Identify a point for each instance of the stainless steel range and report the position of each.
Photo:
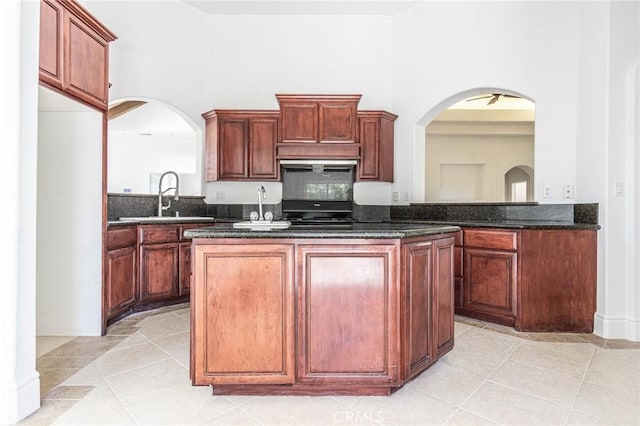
(318, 192)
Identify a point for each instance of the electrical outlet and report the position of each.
(568, 191)
(396, 196)
(547, 192)
(220, 196)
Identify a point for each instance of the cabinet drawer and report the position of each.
(121, 237)
(154, 234)
(492, 239)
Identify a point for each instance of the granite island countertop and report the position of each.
(378, 230)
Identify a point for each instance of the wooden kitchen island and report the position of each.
(319, 311)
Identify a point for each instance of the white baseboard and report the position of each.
(20, 402)
(617, 328)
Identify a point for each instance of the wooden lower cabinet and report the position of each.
(159, 276)
(347, 313)
(165, 262)
(531, 279)
(427, 304)
(243, 303)
(319, 316)
(121, 282)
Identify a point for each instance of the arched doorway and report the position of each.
(518, 184)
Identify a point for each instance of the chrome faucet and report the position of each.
(261, 196)
(176, 196)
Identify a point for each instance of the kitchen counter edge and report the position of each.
(398, 231)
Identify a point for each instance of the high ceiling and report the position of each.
(302, 7)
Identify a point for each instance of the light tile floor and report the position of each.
(138, 374)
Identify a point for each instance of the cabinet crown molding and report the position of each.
(85, 16)
(318, 97)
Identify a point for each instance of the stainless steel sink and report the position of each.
(262, 225)
(165, 219)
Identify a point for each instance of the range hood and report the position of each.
(318, 165)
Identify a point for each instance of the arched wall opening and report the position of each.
(147, 137)
(465, 144)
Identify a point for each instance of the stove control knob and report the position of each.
(253, 215)
(268, 216)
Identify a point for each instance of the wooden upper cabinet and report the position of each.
(74, 51)
(318, 127)
(318, 118)
(241, 145)
(376, 133)
(51, 42)
(299, 122)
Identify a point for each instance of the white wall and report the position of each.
(69, 220)
(134, 157)
(619, 301)
(19, 380)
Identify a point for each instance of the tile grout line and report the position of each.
(486, 379)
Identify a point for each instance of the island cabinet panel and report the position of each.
(318, 316)
(241, 145)
(74, 51)
(426, 303)
(347, 313)
(244, 302)
(417, 299)
(443, 290)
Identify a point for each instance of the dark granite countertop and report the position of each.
(357, 230)
(508, 224)
(165, 220)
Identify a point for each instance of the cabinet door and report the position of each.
(337, 122)
(263, 135)
(185, 268)
(376, 137)
(417, 304)
(86, 63)
(368, 167)
(347, 314)
(120, 280)
(243, 299)
(299, 122)
(51, 39)
(443, 296)
(490, 281)
(159, 271)
(233, 141)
